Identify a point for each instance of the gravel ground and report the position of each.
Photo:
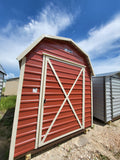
(100, 143)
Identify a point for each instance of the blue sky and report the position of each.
(93, 25)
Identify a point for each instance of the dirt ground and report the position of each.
(100, 143)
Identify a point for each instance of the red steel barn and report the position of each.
(54, 97)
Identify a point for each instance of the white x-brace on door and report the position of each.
(47, 60)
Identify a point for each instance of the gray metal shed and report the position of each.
(106, 96)
(2, 73)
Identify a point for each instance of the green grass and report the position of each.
(7, 103)
(3, 89)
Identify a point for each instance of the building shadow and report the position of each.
(6, 123)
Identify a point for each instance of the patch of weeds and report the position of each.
(3, 89)
(7, 103)
(58, 145)
(109, 123)
(103, 157)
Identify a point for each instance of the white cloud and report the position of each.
(9, 75)
(101, 40)
(106, 65)
(14, 39)
(50, 21)
(103, 46)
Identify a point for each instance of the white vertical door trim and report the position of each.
(39, 118)
(17, 108)
(66, 98)
(91, 102)
(42, 100)
(83, 99)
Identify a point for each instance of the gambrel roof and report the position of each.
(54, 38)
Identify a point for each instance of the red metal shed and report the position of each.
(54, 96)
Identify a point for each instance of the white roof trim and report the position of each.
(27, 50)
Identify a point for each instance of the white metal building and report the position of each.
(106, 96)
(2, 73)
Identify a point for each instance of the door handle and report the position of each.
(44, 100)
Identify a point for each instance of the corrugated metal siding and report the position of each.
(26, 131)
(1, 83)
(27, 122)
(116, 97)
(67, 75)
(87, 97)
(108, 99)
(98, 97)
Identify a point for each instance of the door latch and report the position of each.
(44, 100)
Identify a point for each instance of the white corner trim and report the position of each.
(83, 100)
(16, 114)
(91, 102)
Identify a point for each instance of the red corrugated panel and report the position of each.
(26, 132)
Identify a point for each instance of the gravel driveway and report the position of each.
(100, 143)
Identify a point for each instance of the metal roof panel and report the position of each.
(2, 70)
(107, 74)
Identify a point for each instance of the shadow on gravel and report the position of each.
(5, 133)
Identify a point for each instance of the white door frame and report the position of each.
(46, 59)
